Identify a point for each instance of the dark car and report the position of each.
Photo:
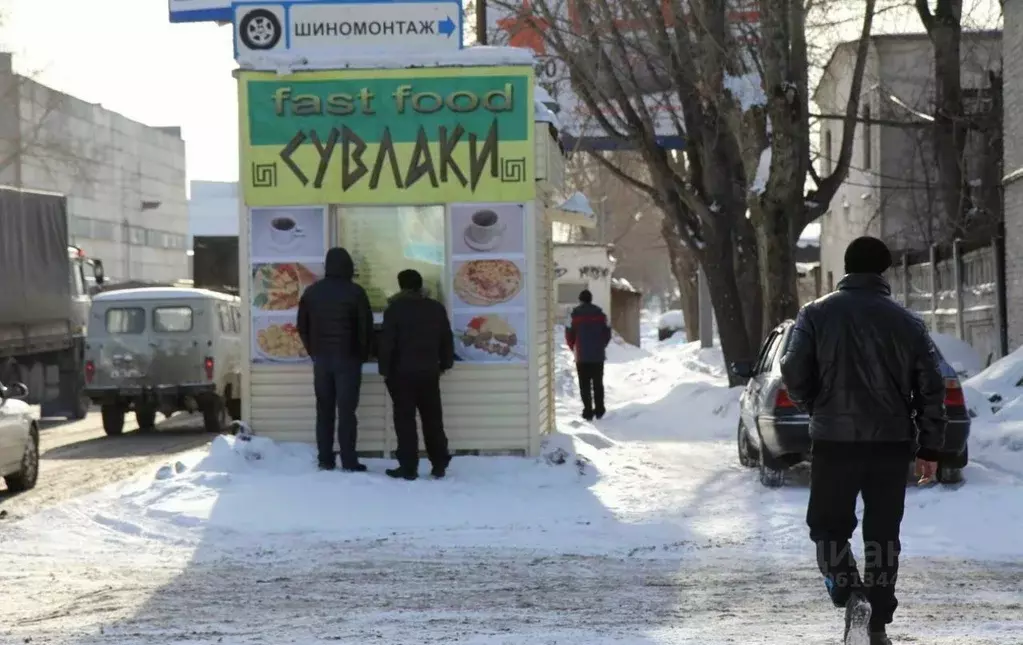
(774, 434)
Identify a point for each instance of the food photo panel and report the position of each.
(493, 337)
(487, 229)
(279, 286)
(275, 340)
(488, 283)
(287, 234)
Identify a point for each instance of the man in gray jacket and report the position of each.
(866, 371)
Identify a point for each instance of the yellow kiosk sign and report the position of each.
(423, 136)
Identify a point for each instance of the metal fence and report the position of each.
(959, 292)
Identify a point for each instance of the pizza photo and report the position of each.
(488, 282)
(280, 342)
(278, 287)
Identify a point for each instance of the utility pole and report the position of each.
(481, 22)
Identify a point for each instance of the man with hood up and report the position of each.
(335, 323)
(866, 371)
(416, 347)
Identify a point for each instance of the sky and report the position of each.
(127, 56)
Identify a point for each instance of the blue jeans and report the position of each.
(337, 382)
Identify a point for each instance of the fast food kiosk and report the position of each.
(445, 166)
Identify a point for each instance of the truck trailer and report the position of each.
(44, 305)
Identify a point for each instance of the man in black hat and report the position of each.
(588, 335)
(335, 323)
(866, 371)
(415, 348)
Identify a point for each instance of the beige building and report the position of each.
(891, 188)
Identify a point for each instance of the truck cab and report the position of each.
(84, 270)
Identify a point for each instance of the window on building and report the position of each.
(104, 230)
(568, 292)
(868, 140)
(828, 159)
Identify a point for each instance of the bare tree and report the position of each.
(738, 93)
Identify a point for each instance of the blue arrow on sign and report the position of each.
(446, 27)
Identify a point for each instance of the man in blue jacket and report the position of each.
(588, 335)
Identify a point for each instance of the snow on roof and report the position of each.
(623, 284)
(285, 63)
(159, 293)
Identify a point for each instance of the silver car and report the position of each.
(19, 439)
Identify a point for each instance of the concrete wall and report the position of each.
(891, 194)
(1013, 126)
(107, 165)
(579, 266)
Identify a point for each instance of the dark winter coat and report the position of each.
(865, 369)
(588, 333)
(416, 337)
(334, 316)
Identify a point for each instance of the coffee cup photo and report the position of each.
(284, 230)
(485, 230)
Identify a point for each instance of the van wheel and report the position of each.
(81, 408)
(234, 409)
(145, 417)
(113, 419)
(214, 415)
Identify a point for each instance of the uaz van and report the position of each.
(164, 349)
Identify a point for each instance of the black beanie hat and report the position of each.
(585, 296)
(867, 255)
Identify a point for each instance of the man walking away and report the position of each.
(866, 371)
(588, 335)
(335, 323)
(416, 347)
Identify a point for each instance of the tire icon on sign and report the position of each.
(260, 29)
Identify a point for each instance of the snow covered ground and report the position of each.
(640, 528)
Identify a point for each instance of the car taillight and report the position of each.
(208, 365)
(90, 371)
(782, 400)
(954, 393)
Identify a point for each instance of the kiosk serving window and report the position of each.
(383, 240)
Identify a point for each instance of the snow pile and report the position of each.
(1001, 382)
(671, 320)
(960, 355)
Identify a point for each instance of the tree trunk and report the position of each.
(747, 270)
(726, 299)
(777, 266)
(685, 268)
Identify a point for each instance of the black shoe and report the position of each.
(354, 468)
(324, 466)
(600, 413)
(879, 638)
(401, 473)
(438, 472)
(587, 415)
(857, 617)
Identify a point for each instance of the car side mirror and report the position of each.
(742, 369)
(97, 271)
(15, 391)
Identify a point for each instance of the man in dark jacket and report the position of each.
(416, 347)
(588, 335)
(335, 323)
(866, 371)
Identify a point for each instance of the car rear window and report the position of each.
(172, 319)
(129, 320)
